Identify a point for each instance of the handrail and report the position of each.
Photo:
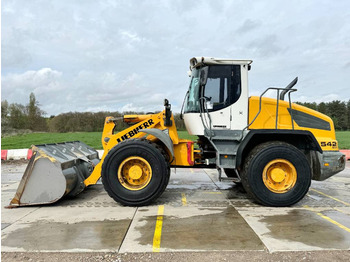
(289, 91)
(290, 106)
(205, 124)
(277, 107)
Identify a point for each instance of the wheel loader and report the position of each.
(273, 147)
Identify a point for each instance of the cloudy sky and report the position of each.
(130, 55)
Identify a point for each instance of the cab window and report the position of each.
(223, 87)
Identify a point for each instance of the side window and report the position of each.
(223, 86)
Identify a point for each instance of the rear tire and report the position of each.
(276, 174)
(135, 172)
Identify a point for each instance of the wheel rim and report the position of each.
(134, 173)
(279, 176)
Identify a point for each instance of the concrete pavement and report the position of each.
(195, 213)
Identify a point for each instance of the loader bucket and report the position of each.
(55, 171)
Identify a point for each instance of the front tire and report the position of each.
(276, 174)
(135, 172)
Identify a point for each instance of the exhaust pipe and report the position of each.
(55, 171)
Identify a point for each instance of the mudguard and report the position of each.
(162, 136)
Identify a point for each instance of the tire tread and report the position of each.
(254, 152)
(158, 193)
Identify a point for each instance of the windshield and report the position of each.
(192, 102)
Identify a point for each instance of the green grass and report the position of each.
(185, 135)
(343, 138)
(93, 139)
(25, 141)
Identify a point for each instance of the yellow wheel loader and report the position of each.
(273, 147)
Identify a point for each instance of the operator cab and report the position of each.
(218, 95)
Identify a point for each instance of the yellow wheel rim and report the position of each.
(279, 176)
(134, 173)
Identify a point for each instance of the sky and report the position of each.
(129, 55)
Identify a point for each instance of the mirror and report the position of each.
(209, 105)
(166, 102)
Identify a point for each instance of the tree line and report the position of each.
(339, 111)
(94, 122)
(20, 117)
(30, 117)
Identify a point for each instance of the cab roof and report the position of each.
(198, 61)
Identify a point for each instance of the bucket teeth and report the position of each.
(55, 171)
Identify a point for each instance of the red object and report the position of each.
(29, 154)
(3, 154)
(189, 153)
(346, 152)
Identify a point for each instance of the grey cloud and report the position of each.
(267, 45)
(15, 56)
(115, 55)
(88, 91)
(44, 83)
(247, 26)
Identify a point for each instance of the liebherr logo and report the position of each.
(133, 132)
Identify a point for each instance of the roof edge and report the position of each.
(198, 61)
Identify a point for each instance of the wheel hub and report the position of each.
(279, 176)
(134, 173)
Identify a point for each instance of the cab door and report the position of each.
(222, 89)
